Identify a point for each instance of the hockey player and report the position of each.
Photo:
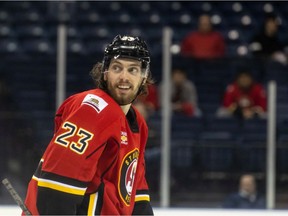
(94, 164)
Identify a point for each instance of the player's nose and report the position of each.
(124, 74)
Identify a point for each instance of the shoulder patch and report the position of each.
(95, 102)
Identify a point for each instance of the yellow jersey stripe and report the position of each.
(92, 204)
(142, 197)
(61, 187)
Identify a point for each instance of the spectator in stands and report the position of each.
(244, 98)
(148, 104)
(266, 43)
(204, 43)
(247, 197)
(184, 94)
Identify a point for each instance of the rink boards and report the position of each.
(15, 210)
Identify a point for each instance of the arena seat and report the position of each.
(255, 125)
(38, 46)
(186, 127)
(251, 152)
(216, 151)
(183, 160)
(282, 151)
(276, 71)
(30, 32)
(182, 153)
(6, 32)
(231, 125)
(9, 46)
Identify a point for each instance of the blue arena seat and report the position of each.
(95, 33)
(6, 32)
(281, 111)
(282, 94)
(10, 46)
(183, 20)
(90, 18)
(216, 151)
(44, 122)
(276, 71)
(231, 125)
(282, 152)
(251, 152)
(182, 154)
(76, 46)
(14, 6)
(32, 100)
(255, 125)
(38, 46)
(186, 127)
(183, 160)
(28, 17)
(30, 31)
(5, 17)
(96, 47)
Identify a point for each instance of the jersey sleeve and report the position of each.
(142, 204)
(70, 160)
(142, 199)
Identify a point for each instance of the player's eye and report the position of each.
(116, 68)
(134, 70)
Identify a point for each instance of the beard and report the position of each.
(122, 97)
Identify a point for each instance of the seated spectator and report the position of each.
(184, 94)
(247, 196)
(204, 43)
(244, 98)
(266, 43)
(147, 105)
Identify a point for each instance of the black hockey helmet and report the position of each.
(128, 47)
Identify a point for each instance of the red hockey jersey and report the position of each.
(94, 164)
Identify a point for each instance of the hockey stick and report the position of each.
(15, 196)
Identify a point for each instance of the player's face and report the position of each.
(123, 78)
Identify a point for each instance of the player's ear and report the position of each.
(105, 76)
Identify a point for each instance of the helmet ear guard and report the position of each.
(128, 47)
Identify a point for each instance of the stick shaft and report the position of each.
(15, 196)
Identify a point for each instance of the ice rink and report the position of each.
(15, 210)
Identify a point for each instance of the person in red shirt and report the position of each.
(204, 43)
(94, 164)
(244, 98)
(148, 104)
(184, 97)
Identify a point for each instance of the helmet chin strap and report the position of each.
(139, 90)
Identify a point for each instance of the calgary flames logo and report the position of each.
(127, 175)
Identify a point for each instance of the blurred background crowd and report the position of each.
(223, 55)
